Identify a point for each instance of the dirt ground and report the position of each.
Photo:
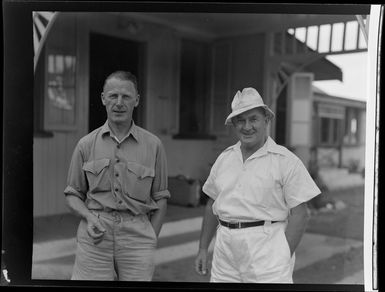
(347, 223)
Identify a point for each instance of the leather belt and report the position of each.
(110, 210)
(238, 225)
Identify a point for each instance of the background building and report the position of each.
(189, 66)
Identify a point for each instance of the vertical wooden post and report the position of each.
(318, 33)
(283, 43)
(343, 37)
(306, 36)
(294, 40)
(331, 37)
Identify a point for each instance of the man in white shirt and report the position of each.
(258, 192)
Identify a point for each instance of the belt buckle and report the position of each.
(239, 226)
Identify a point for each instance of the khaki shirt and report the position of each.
(126, 175)
(264, 187)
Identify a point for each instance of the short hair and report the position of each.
(123, 75)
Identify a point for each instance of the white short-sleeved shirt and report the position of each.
(264, 187)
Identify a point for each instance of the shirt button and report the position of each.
(116, 174)
(116, 189)
(117, 160)
(118, 146)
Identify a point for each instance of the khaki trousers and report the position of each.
(126, 252)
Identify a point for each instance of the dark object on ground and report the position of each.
(321, 201)
(184, 191)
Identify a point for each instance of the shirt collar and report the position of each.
(133, 131)
(269, 146)
(273, 147)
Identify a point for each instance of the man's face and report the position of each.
(251, 127)
(120, 98)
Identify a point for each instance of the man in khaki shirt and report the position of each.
(117, 184)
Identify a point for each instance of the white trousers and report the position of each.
(258, 254)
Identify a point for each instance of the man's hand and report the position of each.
(94, 229)
(201, 262)
(157, 217)
(209, 227)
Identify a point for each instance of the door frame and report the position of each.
(141, 75)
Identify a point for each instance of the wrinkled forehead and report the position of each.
(254, 112)
(119, 85)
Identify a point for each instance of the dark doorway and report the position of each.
(280, 118)
(194, 73)
(109, 54)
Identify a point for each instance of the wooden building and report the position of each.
(339, 131)
(189, 67)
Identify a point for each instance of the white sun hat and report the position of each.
(246, 100)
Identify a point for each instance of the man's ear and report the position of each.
(102, 98)
(267, 118)
(137, 100)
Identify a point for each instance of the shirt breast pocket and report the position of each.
(97, 175)
(264, 188)
(139, 181)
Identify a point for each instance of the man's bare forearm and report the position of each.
(209, 225)
(78, 207)
(298, 219)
